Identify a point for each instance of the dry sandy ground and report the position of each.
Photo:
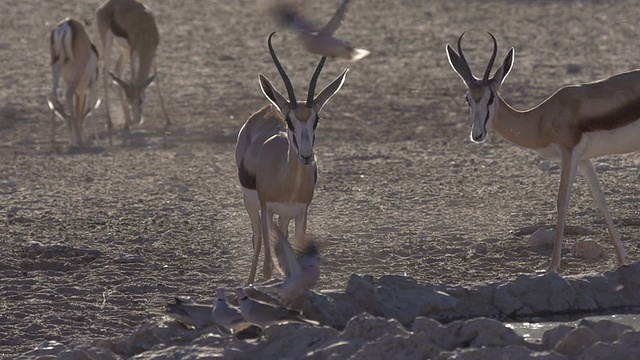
(92, 239)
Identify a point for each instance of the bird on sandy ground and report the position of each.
(202, 316)
(189, 313)
(263, 314)
(318, 41)
(300, 266)
(226, 315)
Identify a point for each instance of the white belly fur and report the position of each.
(600, 143)
(620, 141)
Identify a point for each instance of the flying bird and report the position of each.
(299, 266)
(263, 314)
(318, 41)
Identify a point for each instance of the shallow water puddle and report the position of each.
(532, 331)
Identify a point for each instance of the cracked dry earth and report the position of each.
(93, 239)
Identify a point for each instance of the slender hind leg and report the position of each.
(589, 172)
(252, 204)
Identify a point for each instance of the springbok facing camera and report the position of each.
(134, 28)
(276, 162)
(575, 124)
(75, 59)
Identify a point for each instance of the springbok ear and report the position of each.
(279, 101)
(505, 68)
(459, 66)
(328, 92)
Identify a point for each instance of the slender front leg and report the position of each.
(589, 172)
(283, 225)
(167, 121)
(72, 117)
(92, 101)
(106, 57)
(79, 117)
(55, 69)
(567, 177)
(267, 219)
(301, 226)
(123, 101)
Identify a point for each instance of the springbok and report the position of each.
(575, 124)
(75, 59)
(134, 28)
(276, 162)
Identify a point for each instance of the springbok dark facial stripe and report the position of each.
(491, 99)
(293, 138)
(617, 118)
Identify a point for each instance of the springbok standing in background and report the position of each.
(575, 124)
(276, 162)
(75, 59)
(133, 27)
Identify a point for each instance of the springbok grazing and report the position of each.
(276, 162)
(575, 124)
(133, 27)
(73, 57)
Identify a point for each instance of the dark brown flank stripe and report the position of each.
(247, 180)
(622, 116)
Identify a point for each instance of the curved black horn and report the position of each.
(469, 75)
(283, 74)
(314, 81)
(493, 58)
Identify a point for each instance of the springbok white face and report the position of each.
(301, 117)
(302, 133)
(481, 93)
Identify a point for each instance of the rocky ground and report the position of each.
(95, 239)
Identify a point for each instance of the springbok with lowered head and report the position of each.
(133, 27)
(276, 161)
(574, 125)
(75, 59)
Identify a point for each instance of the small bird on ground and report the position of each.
(300, 266)
(264, 314)
(189, 313)
(228, 316)
(318, 41)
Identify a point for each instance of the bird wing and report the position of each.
(291, 17)
(336, 20)
(287, 260)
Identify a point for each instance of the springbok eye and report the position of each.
(467, 100)
(315, 123)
